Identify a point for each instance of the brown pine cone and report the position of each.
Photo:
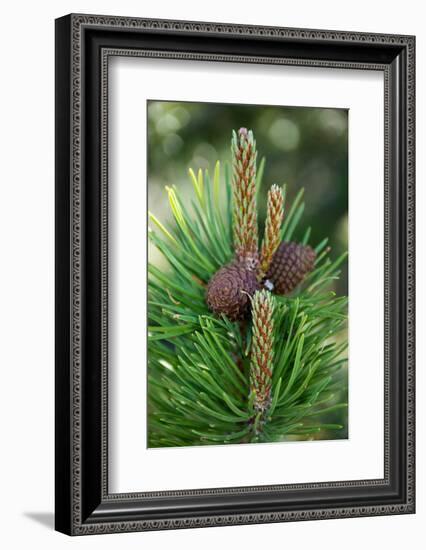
(289, 266)
(229, 289)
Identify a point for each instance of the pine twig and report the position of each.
(262, 354)
(274, 219)
(244, 218)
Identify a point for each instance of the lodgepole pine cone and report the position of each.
(229, 290)
(290, 264)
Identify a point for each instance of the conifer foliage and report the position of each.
(242, 338)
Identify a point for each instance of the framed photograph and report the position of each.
(234, 274)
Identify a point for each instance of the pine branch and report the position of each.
(209, 382)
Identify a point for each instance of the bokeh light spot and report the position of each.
(334, 121)
(167, 123)
(182, 115)
(284, 134)
(205, 155)
(172, 144)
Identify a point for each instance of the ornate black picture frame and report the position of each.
(84, 44)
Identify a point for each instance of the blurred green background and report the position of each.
(304, 147)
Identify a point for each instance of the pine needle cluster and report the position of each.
(216, 379)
